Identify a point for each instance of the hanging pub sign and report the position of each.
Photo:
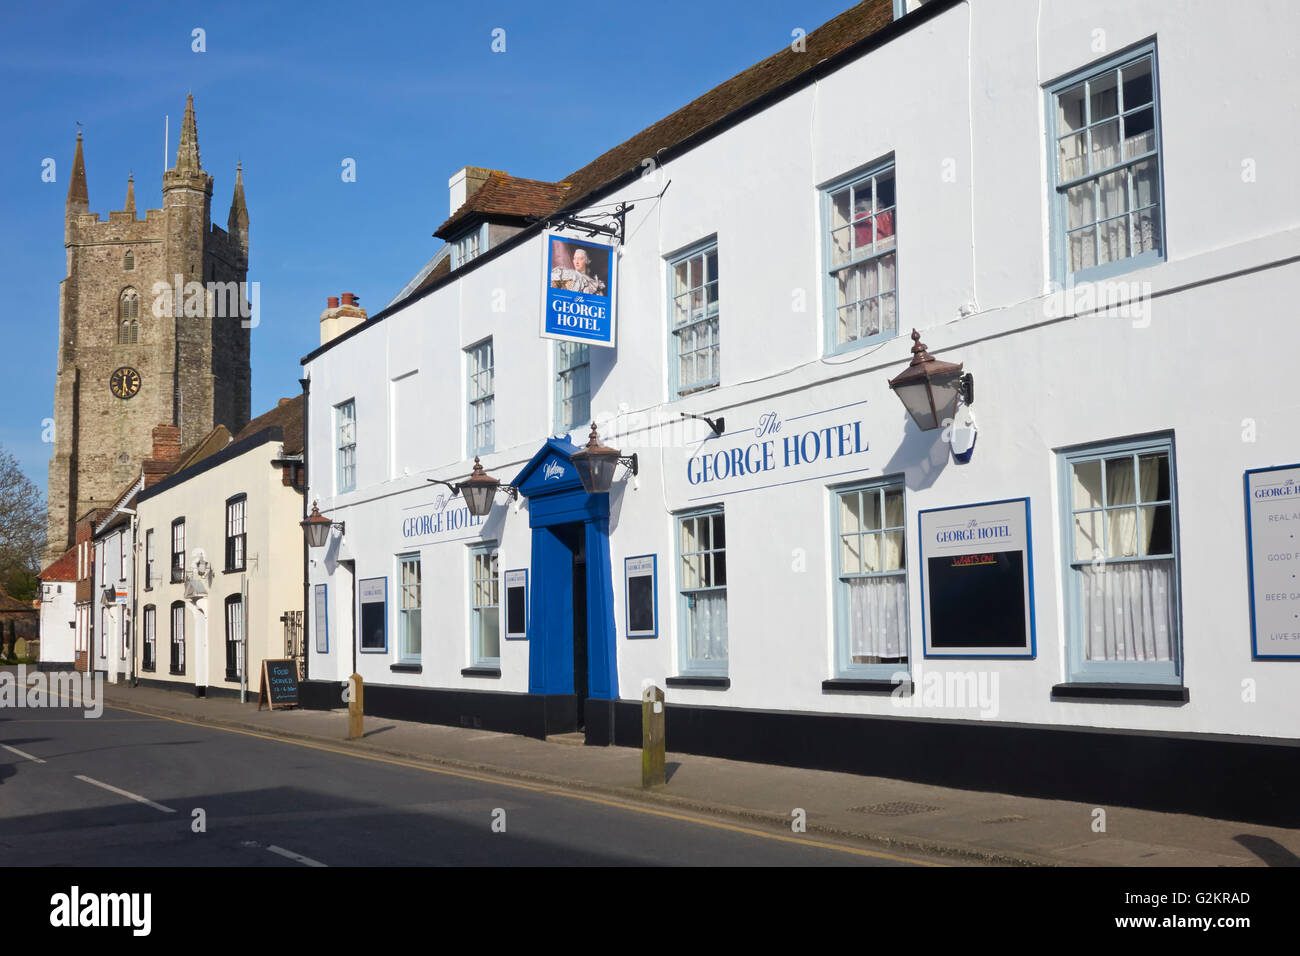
(1273, 550)
(579, 298)
(977, 597)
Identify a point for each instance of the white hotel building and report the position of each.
(1078, 202)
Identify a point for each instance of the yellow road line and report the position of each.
(634, 808)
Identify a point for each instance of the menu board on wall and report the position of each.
(373, 596)
(322, 620)
(1273, 550)
(516, 584)
(642, 595)
(977, 580)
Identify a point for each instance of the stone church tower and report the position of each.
(150, 332)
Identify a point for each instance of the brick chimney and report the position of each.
(339, 317)
(166, 453)
(465, 183)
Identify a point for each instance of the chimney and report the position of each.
(339, 318)
(466, 183)
(166, 443)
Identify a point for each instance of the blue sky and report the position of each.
(411, 91)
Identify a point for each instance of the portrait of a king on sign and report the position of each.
(579, 292)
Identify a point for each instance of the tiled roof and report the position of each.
(63, 568)
(8, 603)
(506, 195)
(288, 416)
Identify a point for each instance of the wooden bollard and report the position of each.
(654, 772)
(356, 691)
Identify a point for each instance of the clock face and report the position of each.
(124, 382)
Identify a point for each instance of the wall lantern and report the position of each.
(595, 464)
(317, 527)
(478, 490)
(930, 389)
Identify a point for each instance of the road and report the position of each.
(128, 789)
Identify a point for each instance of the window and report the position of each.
(482, 399)
(871, 621)
(485, 612)
(234, 637)
(128, 261)
(178, 551)
(1121, 527)
(236, 537)
(148, 560)
(128, 329)
(572, 385)
(178, 638)
(468, 246)
(1105, 161)
(345, 425)
(702, 545)
(862, 261)
(693, 335)
(150, 651)
(408, 609)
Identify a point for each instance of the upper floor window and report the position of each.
(1122, 620)
(468, 246)
(1108, 214)
(485, 606)
(861, 216)
(702, 552)
(128, 261)
(871, 581)
(572, 385)
(178, 551)
(408, 608)
(345, 426)
(148, 560)
(236, 534)
(482, 398)
(128, 327)
(693, 331)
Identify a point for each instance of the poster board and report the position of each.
(578, 285)
(977, 582)
(372, 595)
(1273, 556)
(516, 585)
(641, 594)
(321, 619)
(279, 684)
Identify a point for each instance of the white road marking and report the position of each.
(15, 750)
(125, 793)
(296, 857)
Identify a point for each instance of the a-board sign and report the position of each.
(1273, 553)
(977, 580)
(279, 687)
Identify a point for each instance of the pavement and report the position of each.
(962, 826)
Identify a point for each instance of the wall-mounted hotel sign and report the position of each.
(1273, 549)
(579, 291)
(977, 580)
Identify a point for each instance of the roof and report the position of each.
(287, 415)
(431, 272)
(62, 568)
(10, 604)
(507, 196)
(210, 444)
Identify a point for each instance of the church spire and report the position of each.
(238, 208)
(187, 154)
(78, 195)
(130, 194)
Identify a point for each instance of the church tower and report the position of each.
(153, 329)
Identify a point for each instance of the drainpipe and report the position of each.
(306, 553)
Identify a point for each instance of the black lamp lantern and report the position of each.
(316, 527)
(596, 463)
(478, 490)
(930, 389)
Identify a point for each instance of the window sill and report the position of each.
(232, 678)
(853, 685)
(480, 672)
(720, 683)
(233, 570)
(148, 669)
(406, 668)
(176, 672)
(1153, 693)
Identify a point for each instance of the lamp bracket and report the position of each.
(967, 389)
(718, 426)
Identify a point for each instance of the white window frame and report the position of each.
(480, 390)
(234, 636)
(148, 560)
(150, 627)
(345, 446)
(177, 643)
(693, 567)
(469, 245)
(694, 310)
(176, 571)
(236, 532)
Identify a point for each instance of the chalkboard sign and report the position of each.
(642, 595)
(279, 686)
(977, 580)
(372, 594)
(516, 584)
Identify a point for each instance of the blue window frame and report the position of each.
(572, 385)
(1104, 156)
(1120, 547)
(485, 606)
(870, 566)
(482, 397)
(860, 258)
(702, 593)
(693, 341)
(408, 609)
(345, 427)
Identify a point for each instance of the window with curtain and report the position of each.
(408, 608)
(149, 656)
(345, 443)
(482, 398)
(861, 216)
(693, 323)
(572, 385)
(1123, 563)
(234, 637)
(871, 581)
(702, 569)
(178, 638)
(485, 607)
(1106, 166)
